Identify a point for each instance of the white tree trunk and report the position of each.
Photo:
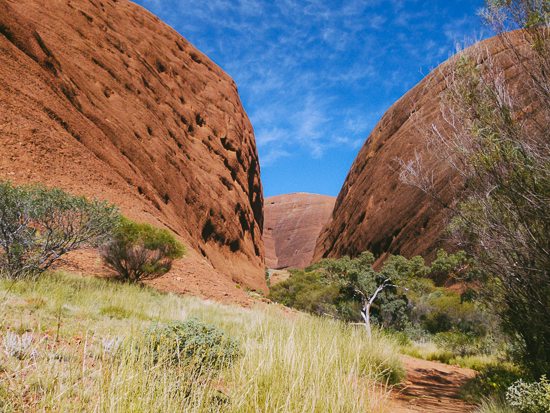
(366, 303)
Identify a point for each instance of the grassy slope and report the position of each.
(289, 364)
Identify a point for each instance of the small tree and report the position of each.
(140, 251)
(361, 280)
(39, 225)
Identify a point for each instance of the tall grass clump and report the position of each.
(311, 364)
(495, 405)
(85, 336)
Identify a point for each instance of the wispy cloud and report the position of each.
(315, 76)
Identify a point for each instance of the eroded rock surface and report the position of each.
(374, 211)
(292, 225)
(101, 98)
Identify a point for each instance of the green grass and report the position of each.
(74, 324)
(430, 350)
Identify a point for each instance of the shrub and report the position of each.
(191, 343)
(457, 342)
(306, 291)
(493, 379)
(140, 251)
(39, 225)
(20, 347)
(530, 397)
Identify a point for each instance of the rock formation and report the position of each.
(101, 98)
(292, 225)
(374, 211)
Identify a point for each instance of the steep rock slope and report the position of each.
(292, 225)
(101, 98)
(374, 211)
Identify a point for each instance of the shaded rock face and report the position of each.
(374, 211)
(101, 98)
(292, 225)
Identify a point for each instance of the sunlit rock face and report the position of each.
(103, 99)
(292, 225)
(374, 211)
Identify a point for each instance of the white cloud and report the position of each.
(316, 75)
(272, 156)
(377, 21)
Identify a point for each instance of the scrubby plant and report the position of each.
(358, 281)
(401, 296)
(39, 225)
(20, 347)
(530, 397)
(191, 343)
(306, 291)
(140, 251)
(493, 380)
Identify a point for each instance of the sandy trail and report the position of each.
(430, 387)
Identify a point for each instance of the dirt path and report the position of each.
(430, 387)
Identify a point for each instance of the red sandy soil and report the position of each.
(430, 387)
(192, 275)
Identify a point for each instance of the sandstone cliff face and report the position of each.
(101, 98)
(292, 225)
(374, 211)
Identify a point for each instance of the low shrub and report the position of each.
(457, 342)
(493, 380)
(38, 226)
(530, 397)
(140, 251)
(192, 344)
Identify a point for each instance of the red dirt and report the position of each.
(191, 275)
(430, 387)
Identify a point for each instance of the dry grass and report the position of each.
(495, 405)
(71, 327)
(429, 350)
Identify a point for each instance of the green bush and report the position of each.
(493, 379)
(39, 225)
(458, 342)
(530, 397)
(140, 251)
(306, 291)
(191, 343)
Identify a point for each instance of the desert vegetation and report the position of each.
(72, 343)
(136, 252)
(428, 321)
(38, 226)
(500, 150)
(423, 317)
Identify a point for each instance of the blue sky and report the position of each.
(315, 76)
